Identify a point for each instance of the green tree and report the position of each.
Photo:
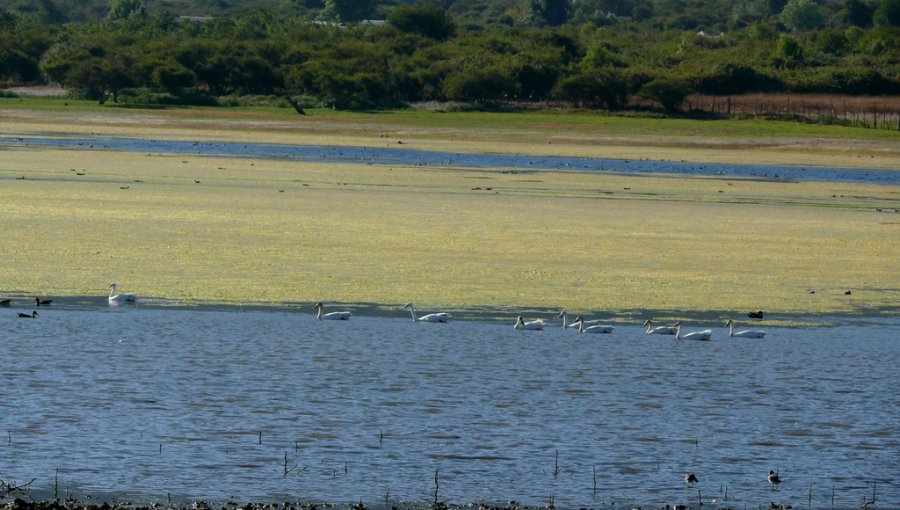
(592, 89)
(669, 92)
(550, 12)
(832, 41)
(480, 84)
(888, 13)
(349, 11)
(125, 9)
(802, 15)
(426, 19)
(856, 13)
(789, 52)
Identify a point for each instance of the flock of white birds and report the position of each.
(584, 326)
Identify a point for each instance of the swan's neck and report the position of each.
(565, 320)
(112, 290)
(412, 312)
(678, 333)
(581, 326)
(319, 312)
(731, 328)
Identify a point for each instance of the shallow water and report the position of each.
(207, 403)
(396, 156)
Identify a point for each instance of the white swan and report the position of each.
(431, 317)
(565, 317)
(535, 325)
(596, 328)
(747, 333)
(706, 334)
(333, 316)
(658, 330)
(119, 298)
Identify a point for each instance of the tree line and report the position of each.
(587, 53)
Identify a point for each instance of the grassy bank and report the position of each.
(259, 231)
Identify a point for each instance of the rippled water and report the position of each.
(211, 403)
(397, 156)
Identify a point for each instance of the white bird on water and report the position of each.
(333, 316)
(535, 325)
(565, 317)
(706, 334)
(596, 328)
(747, 333)
(658, 330)
(115, 298)
(431, 317)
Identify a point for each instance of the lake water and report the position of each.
(214, 404)
(401, 156)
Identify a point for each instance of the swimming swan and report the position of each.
(706, 334)
(658, 330)
(747, 333)
(333, 316)
(596, 328)
(535, 325)
(431, 317)
(119, 298)
(565, 317)
(32, 315)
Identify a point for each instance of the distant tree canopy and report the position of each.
(587, 53)
(426, 19)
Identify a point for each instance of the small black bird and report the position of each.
(691, 478)
(42, 302)
(5, 302)
(755, 315)
(32, 315)
(773, 478)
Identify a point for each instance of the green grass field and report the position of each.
(358, 233)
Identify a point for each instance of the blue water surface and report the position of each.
(271, 404)
(401, 156)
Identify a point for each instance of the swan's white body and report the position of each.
(333, 316)
(431, 317)
(115, 298)
(565, 317)
(596, 328)
(658, 330)
(535, 325)
(747, 333)
(706, 334)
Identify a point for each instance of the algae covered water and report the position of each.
(270, 404)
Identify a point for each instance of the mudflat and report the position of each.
(259, 231)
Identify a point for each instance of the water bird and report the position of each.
(332, 316)
(565, 317)
(42, 302)
(115, 298)
(658, 330)
(32, 315)
(755, 315)
(691, 478)
(847, 293)
(596, 328)
(5, 302)
(535, 325)
(774, 479)
(431, 317)
(747, 333)
(706, 334)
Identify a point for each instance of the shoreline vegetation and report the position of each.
(203, 229)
